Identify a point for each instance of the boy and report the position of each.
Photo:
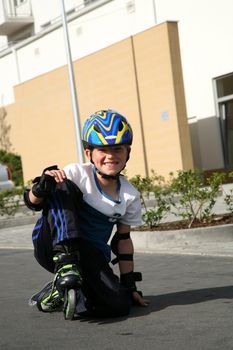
(81, 205)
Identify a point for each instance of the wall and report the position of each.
(205, 31)
(89, 32)
(140, 76)
(162, 99)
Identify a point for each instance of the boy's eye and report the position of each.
(110, 149)
(100, 150)
(120, 148)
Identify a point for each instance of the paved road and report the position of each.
(191, 305)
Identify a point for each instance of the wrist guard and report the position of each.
(128, 281)
(44, 184)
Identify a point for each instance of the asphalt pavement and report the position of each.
(190, 295)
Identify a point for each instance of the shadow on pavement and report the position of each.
(163, 301)
(194, 296)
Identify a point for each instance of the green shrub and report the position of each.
(156, 187)
(13, 161)
(187, 195)
(191, 199)
(10, 201)
(228, 198)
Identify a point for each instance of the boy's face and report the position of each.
(109, 160)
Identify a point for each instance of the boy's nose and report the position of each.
(109, 152)
(110, 155)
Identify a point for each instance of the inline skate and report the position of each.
(64, 291)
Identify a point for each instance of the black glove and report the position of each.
(44, 184)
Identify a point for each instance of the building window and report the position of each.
(88, 2)
(19, 2)
(224, 97)
(225, 86)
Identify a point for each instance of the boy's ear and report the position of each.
(88, 153)
(129, 150)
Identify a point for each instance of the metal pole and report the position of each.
(72, 87)
(155, 15)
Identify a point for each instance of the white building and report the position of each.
(32, 44)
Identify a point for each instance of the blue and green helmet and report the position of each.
(106, 128)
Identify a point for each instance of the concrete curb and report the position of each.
(215, 240)
(20, 220)
(150, 239)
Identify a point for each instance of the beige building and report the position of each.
(141, 77)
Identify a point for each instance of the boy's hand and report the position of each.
(46, 183)
(58, 175)
(140, 300)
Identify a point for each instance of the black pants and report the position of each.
(101, 287)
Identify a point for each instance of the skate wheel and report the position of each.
(70, 304)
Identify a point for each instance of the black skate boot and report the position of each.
(64, 291)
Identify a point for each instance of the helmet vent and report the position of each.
(121, 126)
(97, 128)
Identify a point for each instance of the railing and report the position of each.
(17, 11)
(69, 12)
(78, 10)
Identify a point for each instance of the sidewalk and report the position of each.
(216, 240)
(210, 241)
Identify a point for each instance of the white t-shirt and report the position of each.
(99, 213)
(126, 210)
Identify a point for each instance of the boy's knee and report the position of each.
(121, 305)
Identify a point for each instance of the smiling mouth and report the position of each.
(110, 163)
(111, 166)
